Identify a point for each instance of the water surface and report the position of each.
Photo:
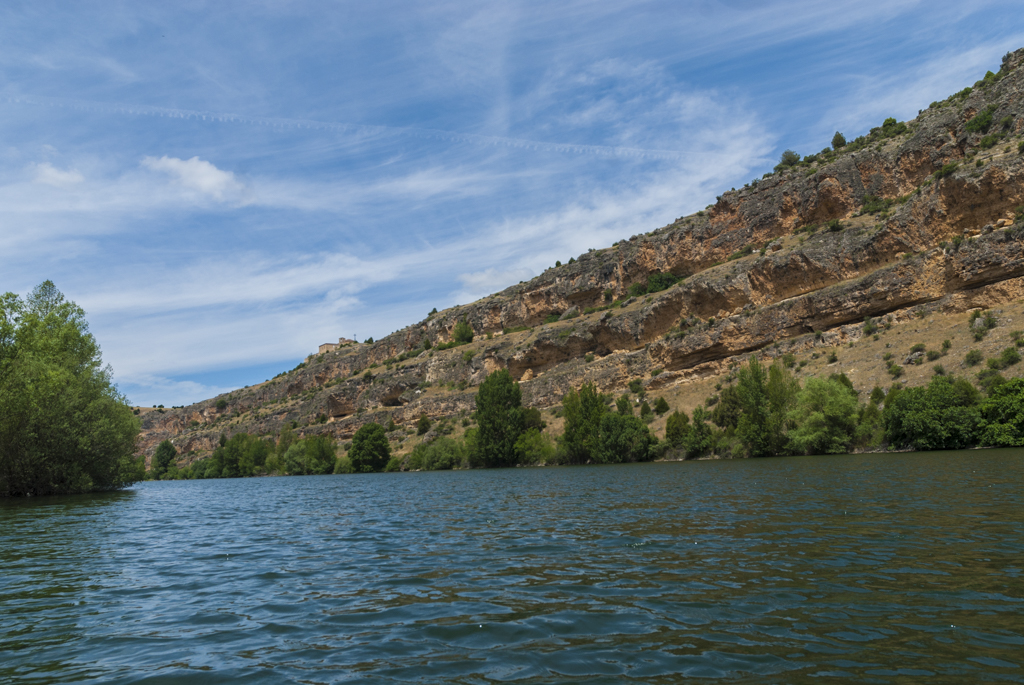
(874, 568)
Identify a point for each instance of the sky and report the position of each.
(223, 186)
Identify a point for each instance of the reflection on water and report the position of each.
(874, 568)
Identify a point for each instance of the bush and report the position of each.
(661, 406)
(422, 425)
(344, 465)
(947, 170)
(940, 416)
(468, 355)
(833, 357)
(870, 327)
(222, 404)
(638, 289)
(982, 121)
(973, 358)
(440, 455)
(838, 141)
(624, 439)
(636, 385)
(370, 450)
(988, 142)
(462, 333)
(1003, 413)
(932, 355)
(657, 282)
(919, 347)
(535, 447)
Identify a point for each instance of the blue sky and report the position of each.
(225, 185)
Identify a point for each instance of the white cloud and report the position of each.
(49, 175)
(196, 174)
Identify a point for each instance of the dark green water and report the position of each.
(878, 568)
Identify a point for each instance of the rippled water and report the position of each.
(878, 568)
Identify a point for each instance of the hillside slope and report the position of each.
(914, 224)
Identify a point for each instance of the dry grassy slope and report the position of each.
(769, 302)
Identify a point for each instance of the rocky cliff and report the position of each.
(911, 219)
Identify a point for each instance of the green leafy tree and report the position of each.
(1003, 414)
(824, 418)
(677, 427)
(370, 449)
(944, 415)
(700, 438)
(422, 425)
(838, 141)
(321, 455)
(499, 417)
(535, 447)
(462, 333)
(64, 428)
(726, 413)
(439, 455)
(624, 439)
(163, 457)
(583, 410)
(765, 397)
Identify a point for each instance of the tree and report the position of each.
(370, 450)
(726, 413)
(321, 455)
(788, 159)
(838, 141)
(422, 425)
(499, 417)
(677, 427)
(463, 332)
(624, 406)
(624, 438)
(64, 428)
(944, 415)
(765, 397)
(583, 410)
(1003, 413)
(699, 439)
(646, 415)
(162, 458)
(824, 418)
(661, 406)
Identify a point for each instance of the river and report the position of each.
(881, 568)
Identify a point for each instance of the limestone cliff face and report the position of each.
(761, 267)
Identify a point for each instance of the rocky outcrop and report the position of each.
(917, 215)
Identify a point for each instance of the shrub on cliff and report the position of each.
(838, 141)
(982, 121)
(462, 333)
(64, 428)
(370, 450)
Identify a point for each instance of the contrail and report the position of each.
(362, 129)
